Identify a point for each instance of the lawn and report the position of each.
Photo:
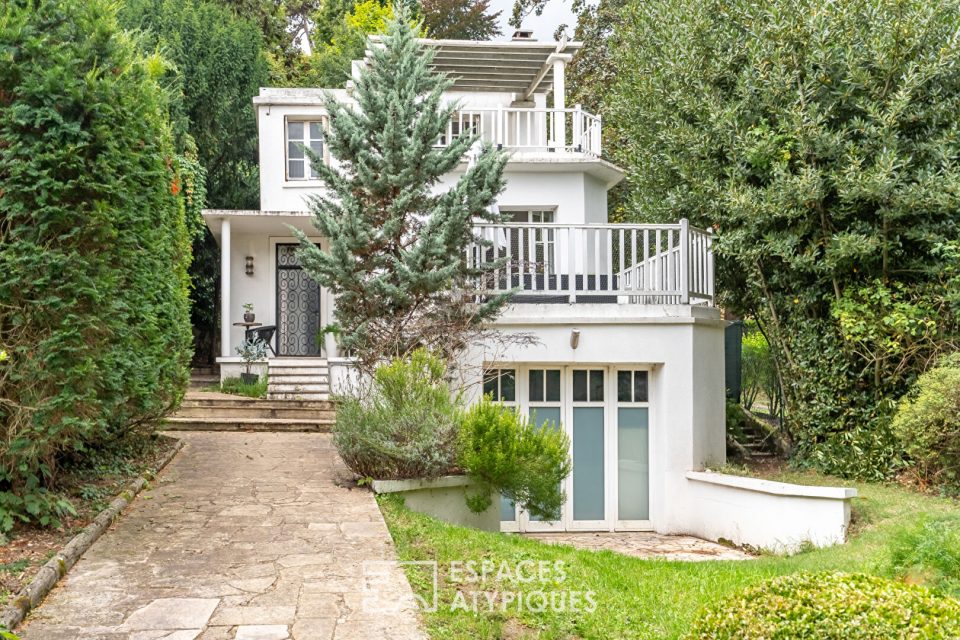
(634, 598)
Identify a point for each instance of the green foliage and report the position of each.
(405, 427)
(238, 387)
(818, 139)
(928, 552)
(94, 246)
(252, 350)
(329, 65)
(927, 424)
(459, 19)
(396, 245)
(759, 373)
(511, 456)
(831, 606)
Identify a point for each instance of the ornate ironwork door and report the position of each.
(298, 306)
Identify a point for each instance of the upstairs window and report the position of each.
(303, 134)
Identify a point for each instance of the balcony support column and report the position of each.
(225, 325)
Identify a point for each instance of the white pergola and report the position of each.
(521, 67)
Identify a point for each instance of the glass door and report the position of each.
(588, 420)
(545, 407)
(633, 449)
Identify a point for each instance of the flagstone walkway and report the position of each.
(244, 536)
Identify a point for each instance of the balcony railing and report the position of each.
(613, 263)
(570, 130)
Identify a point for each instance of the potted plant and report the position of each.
(252, 350)
(248, 314)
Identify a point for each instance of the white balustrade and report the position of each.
(529, 129)
(623, 263)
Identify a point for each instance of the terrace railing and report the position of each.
(614, 263)
(521, 129)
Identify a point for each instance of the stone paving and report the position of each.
(645, 544)
(244, 536)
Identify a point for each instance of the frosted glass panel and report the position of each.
(588, 463)
(633, 473)
(541, 416)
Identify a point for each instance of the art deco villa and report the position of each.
(629, 356)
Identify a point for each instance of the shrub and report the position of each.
(928, 552)
(405, 426)
(238, 387)
(830, 606)
(508, 454)
(927, 424)
(94, 314)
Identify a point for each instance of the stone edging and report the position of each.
(56, 567)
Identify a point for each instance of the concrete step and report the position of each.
(240, 402)
(255, 412)
(298, 379)
(242, 424)
(275, 372)
(312, 385)
(298, 395)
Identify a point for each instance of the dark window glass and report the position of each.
(490, 383)
(579, 386)
(508, 385)
(640, 386)
(536, 385)
(596, 385)
(553, 386)
(623, 386)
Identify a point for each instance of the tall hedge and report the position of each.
(94, 312)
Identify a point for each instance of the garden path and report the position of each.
(244, 536)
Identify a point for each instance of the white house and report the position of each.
(629, 351)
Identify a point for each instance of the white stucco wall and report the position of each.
(774, 516)
(687, 417)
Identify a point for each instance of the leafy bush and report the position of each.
(927, 423)
(405, 426)
(506, 453)
(94, 314)
(831, 606)
(928, 552)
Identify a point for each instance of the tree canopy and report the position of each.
(820, 140)
(395, 251)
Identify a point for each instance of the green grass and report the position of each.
(635, 598)
(237, 387)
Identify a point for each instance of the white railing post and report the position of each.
(684, 275)
(499, 127)
(595, 139)
(572, 263)
(577, 141)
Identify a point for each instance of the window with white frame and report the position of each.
(302, 135)
(532, 249)
(500, 385)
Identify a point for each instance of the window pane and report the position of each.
(596, 385)
(316, 131)
(294, 151)
(579, 386)
(508, 385)
(588, 463)
(536, 385)
(508, 512)
(553, 385)
(296, 169)
(623, 386)
(317, 147)
(640, 389)
(490, 383)
(544, 417)
(295, 131)
(633, 465)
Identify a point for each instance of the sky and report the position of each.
(557, 12)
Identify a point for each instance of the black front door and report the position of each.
(298, 306)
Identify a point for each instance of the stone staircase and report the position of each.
(203, 377)
(208, 411)
(298, 379)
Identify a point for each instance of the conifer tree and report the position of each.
(397, 241)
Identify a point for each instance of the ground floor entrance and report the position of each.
(605, 411)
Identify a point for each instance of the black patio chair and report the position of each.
(265, 333)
